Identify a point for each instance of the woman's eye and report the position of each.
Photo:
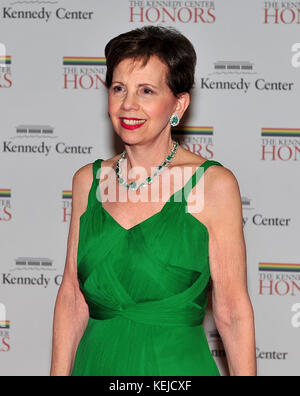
(147, 91)
(117, 89)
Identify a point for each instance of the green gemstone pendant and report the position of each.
(149, 180)
(133, 185)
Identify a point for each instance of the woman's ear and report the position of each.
(183, 102)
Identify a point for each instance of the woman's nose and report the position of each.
(130, 102)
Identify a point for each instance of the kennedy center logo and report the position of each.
(5, 205)
(66, 205)
(279, 279)
(258, 219)
(84, 73)
(280, 144)
(32, 11)
(241, 76)
(4, 330)
(198, 140)
(31, 272)
(180, 12)
(281, 12)
(39, 140)
(5, 68)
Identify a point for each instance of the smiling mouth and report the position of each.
(132, 123)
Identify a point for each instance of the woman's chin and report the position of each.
(131, 136)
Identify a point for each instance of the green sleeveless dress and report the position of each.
(146, 288)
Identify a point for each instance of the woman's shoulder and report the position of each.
(218, 178)
(86, 170)
(222, 189)
(109, 162)
(189, 159)
(81, 185)
(83, 174)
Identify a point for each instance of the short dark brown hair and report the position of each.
(168, 44)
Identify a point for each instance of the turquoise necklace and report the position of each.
(149, 180)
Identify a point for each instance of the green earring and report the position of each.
(174, 120)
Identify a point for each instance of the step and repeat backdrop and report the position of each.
(244, 114)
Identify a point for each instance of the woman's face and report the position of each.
(140, 101)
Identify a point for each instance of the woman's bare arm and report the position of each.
(232, 308)
(71, 311)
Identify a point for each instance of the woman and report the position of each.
(134, 291)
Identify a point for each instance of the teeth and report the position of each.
(133, 122)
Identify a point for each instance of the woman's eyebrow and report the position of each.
(151, 85)
(139, 85)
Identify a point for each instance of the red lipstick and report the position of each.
(133, 126)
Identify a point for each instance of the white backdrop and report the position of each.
(244, 114)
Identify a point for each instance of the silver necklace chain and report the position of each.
(148, 180)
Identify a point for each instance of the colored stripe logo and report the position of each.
(189, 130)
(67, 194)
(5, 60)
(279, 267)
(4, 324)
(83, 61)
(286, 132)
(5, 193)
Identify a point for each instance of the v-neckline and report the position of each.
(141, 223)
